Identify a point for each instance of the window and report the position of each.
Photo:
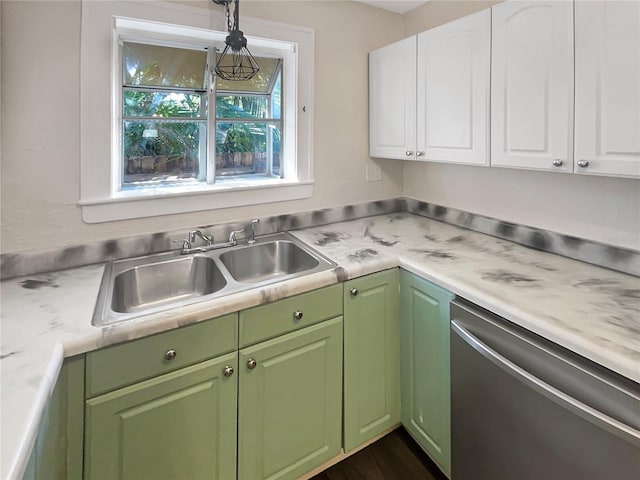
(166, 105)
(249, 123)
(172, 138)
(164, 116)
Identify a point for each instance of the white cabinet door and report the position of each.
(532, 85)
(607, 135)
(392, 100)
(453, 91)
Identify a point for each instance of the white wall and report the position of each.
(599, 208)
(40, 61)
(40, 56)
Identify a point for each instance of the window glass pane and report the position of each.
(154, 65)
(248, 148)
(162, 152)
(242, 106)
(261, 81)
(274, 137)
(161, 104)
(276, 99)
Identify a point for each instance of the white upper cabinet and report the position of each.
(497, 87)
(453, 91)
(392, 100)
(607, 130)
(532, 85)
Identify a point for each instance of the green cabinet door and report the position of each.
(57, 452)
(290, 403)
(425, 377)
(371, 357)
(178, 425)
(30, 469)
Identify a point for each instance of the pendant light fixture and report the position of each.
(236, 61)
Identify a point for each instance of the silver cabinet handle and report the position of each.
(251, 364)
(354, 292)
(227, 371)
(557, 162)
(408, 153)
(297, 315)
(583, 163)
(419, 154)
(170, 354)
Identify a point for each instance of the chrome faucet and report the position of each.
(187, 243)
(252, 231)
(251, 238)
(193, 234)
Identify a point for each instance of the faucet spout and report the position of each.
(193, 234)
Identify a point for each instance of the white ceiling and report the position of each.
(397, 6)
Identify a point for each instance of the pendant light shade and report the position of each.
(235, 62)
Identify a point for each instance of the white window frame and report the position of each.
(103, 24)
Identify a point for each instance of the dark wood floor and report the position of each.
(394, 457)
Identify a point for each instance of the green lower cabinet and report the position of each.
(371, 357)
(425, 376)
(290, 403)
(57, 453)
(178, 425)
(30, 470)
(51, 440)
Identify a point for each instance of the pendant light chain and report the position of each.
(236, 15)
(236, 61)
(227, 14)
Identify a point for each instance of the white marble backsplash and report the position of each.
(30, 262)
(616, 258)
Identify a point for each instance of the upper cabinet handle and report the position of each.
(583, 163)
(419, 153)
(557, 162)
(408, 153)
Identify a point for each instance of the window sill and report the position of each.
(138, 204)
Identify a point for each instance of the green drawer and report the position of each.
(273, 319)
(138, 360)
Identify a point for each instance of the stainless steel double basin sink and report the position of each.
(139, 286)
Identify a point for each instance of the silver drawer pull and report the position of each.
(170, 354)
(251, 364)
(354, 292)
(227, 371)
(298, 315)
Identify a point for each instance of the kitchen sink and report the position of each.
(267, 261)
(140, 286)
(165, 282)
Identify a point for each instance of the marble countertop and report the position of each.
(590, 310)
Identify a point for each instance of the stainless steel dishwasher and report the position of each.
(525, 408)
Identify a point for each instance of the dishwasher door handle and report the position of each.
(626, 432)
